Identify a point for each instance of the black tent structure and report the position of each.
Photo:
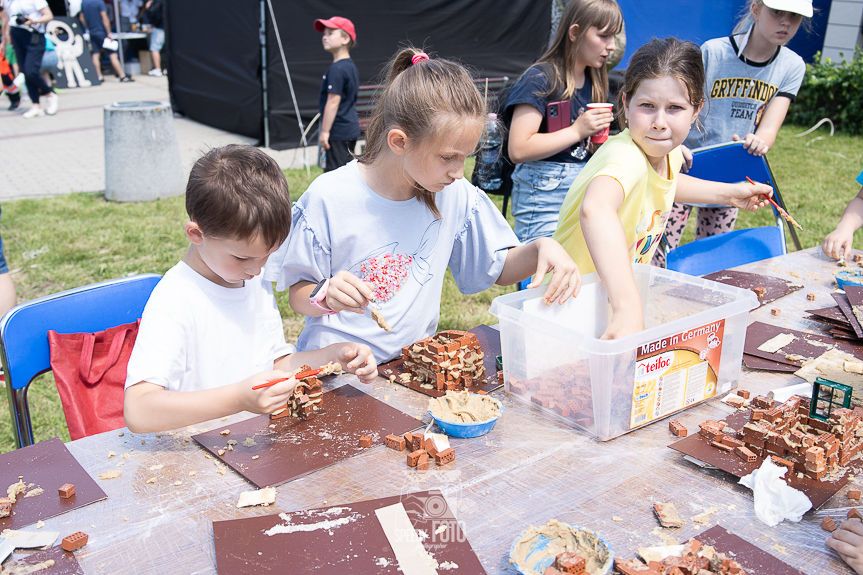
(227, 69)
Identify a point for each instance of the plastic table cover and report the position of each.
(529, 469)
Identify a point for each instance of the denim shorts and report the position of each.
(4, 268)
(538, 191)
(157, 40)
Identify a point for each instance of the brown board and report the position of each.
(65, 563)
(488, 338)
(753, 560)
(776, 287)
(833, 313)
(757, 333)
(357, 545)
(698, 446)
(845, 306)
(47, 464)
(855, 298)
(755, 362)
(294, 447)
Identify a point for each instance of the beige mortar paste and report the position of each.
(562, 537)
(464, 407)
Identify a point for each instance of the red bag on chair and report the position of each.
(90, 372)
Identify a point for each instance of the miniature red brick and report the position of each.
(678, 429)
(366, 441)
(67, 490)
(722, 446)
(667, 515)
(759, 291)
(762, 402)
(418, 441)
(854, 514)
(5, 507)
(430, 447)
(445, 456)
(541, 400)
(550, 570)
(712, 434)
(500, 377)
(423, 462)
(409, 440)
(561, 409)
(74, 541)
(743, 393)
(854, 494)
(395, 442)
(518, 388)
(744, 454)
(775, 311)
(810, 296)
(570, 562)
(827, 524)
(691, 548)
(757, 414)
(731, 442)
(414, 456)
(857, 258)
(734, 401)
(481, 392)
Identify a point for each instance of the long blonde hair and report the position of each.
(560, 56)
(424, 100)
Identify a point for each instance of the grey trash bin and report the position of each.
(142, 157)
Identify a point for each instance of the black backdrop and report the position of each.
(215, 54)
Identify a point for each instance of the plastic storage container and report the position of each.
(690, 350)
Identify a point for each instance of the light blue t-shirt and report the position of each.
(860, 179)
(399, 246)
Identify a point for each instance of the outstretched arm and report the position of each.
(606, 241)
(839, 241)
(539, 257)
(744, 195)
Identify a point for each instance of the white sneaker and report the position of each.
(34, 112)
(53, 102)
(155, 72)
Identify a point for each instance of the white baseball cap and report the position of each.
(803, 7)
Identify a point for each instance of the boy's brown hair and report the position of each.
(668, 57)
(239, 192)
(425, 100)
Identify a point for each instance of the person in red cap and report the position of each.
(340, 126)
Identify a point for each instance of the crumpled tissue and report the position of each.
(775, 500)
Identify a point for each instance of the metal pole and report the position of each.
(263, 38)
(119, 31)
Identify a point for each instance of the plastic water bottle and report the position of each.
(489, 171)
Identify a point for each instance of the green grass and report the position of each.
(84, 239)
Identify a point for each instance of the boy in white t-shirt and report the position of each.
(211, 329)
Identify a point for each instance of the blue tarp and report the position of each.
(699, 21)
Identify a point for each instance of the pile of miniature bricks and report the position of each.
(566, 390)
(696, 559)
(786, 433)
(421, 449)
(567, 562)
(450, 360)
(306, 399)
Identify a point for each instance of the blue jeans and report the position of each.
(538, 190)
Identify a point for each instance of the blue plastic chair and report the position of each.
(24, 333)
(724, 251)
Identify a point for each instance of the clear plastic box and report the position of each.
(690, 350)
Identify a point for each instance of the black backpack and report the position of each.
(507, 167)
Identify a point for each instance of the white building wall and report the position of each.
(843, 29)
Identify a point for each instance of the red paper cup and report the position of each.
(602, 135)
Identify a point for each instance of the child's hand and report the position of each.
(624, 323)
(347, 292)
(357, 358)
(847, 541)
(687, 159)
(565, 279)
(753, 144)
(748, 196)
(265, 400)
(592, 121)
(837, 243)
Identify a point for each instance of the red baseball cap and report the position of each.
(339, 23)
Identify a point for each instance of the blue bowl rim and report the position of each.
(475, 423)
(577, 527)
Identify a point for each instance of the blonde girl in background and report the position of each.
(572, 69)
(386, 227)
(751, 78)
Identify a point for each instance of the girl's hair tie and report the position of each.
(418, 57)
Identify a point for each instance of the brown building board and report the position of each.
(757, 333)
(753, 560)
(776, 287)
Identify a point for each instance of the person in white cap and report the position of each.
(751, 80)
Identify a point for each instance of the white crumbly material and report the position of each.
(34, 493)
(464, 407)
(266, 496)
(774, 344)
(854, 367)
(13, 490)
(111, 474)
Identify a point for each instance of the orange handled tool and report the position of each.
(782, 212)
(298, 376)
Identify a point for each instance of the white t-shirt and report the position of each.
(197, 335)
(29, 8)
(340, 223)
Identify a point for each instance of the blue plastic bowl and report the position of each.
(465, 429)
(849, 277)
(539, 564)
